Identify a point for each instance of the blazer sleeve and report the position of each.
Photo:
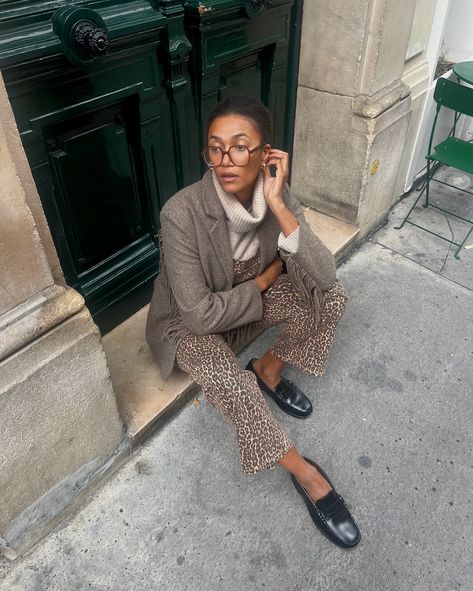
(203, 311)
(312, 255)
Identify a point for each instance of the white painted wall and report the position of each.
(458, 38)
(452, 29)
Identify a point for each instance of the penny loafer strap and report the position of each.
(331, 505)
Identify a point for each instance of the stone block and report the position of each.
(328, 158)
(388, 28)
(345, 163)
(37, 315)
(421, 29)
(354, 48)
(24, 269)
(15, 174)
(332, 41)
(58, 415)
(385, 136)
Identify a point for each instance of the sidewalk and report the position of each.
(391, 426)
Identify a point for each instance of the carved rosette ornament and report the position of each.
(90, 40)
(83, 34)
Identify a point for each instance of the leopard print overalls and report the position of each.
(304, 342)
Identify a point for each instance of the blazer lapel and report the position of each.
(218, 230)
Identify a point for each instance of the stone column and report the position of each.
(353, 108)
(59, 425)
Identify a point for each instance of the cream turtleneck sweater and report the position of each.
(243, 223)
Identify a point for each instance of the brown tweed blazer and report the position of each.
(194, 290)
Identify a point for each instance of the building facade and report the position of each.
(101, 122)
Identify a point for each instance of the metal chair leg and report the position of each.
(457, 256)
(411, 209)
(427, 185)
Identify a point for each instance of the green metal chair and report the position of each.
(452, 152)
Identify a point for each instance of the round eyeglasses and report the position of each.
(239, 155)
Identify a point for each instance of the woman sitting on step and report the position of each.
(237, 257)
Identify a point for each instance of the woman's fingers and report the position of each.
(277, 154)
(280, 159)
(276, 151)
(274, 185)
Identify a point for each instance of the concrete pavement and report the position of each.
(392, 426)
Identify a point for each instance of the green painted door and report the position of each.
(110, 99)
(99, 131)
(246, 46)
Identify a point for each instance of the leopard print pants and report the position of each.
(304, 342)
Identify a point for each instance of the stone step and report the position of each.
(337, 235)
(144, 399)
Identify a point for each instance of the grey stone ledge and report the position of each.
(62, 499)
(36, 316)
(373, 126)
(372, 106)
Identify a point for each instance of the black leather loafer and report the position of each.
(286, 395)
(330, 514)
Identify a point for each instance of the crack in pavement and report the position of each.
(371, 241)
(449, 247)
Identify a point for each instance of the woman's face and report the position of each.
(231, 130)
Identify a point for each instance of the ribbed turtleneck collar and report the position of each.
(243, 220)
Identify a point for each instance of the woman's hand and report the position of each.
(273, 187)
(270, 275)
(273, 190)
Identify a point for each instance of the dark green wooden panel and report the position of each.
(241, 76)
(233, 53)
(110, 139)
(101, 137)
(97, 188)
(96, 149)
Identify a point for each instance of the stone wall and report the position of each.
(353, 108)
(59, 425)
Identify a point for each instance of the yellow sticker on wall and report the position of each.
(374, 167)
